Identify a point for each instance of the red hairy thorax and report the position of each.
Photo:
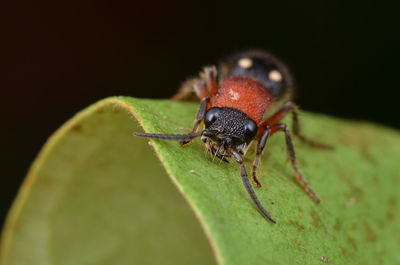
(244, 94)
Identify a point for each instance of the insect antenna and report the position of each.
(248, 187)
(175, 137)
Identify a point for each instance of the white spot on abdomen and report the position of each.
(275, 76)
(245, 63)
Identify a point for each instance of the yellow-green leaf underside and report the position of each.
(98, 195)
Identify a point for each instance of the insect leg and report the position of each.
(260, 147)
(199, 118)
(209, 75)
(191, 90)
(292, 157)
(199, 87)
(298, 133)
(292, 108)
(248, 187)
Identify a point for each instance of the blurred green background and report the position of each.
(60, 57)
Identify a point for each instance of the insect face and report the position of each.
(226, 129)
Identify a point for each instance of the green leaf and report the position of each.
(98, 195)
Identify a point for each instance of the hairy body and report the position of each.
(234, 101)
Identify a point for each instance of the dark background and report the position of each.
(60, 57)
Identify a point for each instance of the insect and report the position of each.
(234, 100)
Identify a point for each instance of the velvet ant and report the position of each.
(234, 100)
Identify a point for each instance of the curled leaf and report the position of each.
(98, 195)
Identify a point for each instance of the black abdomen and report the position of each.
(262, 66)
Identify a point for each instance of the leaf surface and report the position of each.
(98, 195)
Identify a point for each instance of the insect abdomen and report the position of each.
(263, 67)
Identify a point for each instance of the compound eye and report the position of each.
(211, 116)
(250, 131)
